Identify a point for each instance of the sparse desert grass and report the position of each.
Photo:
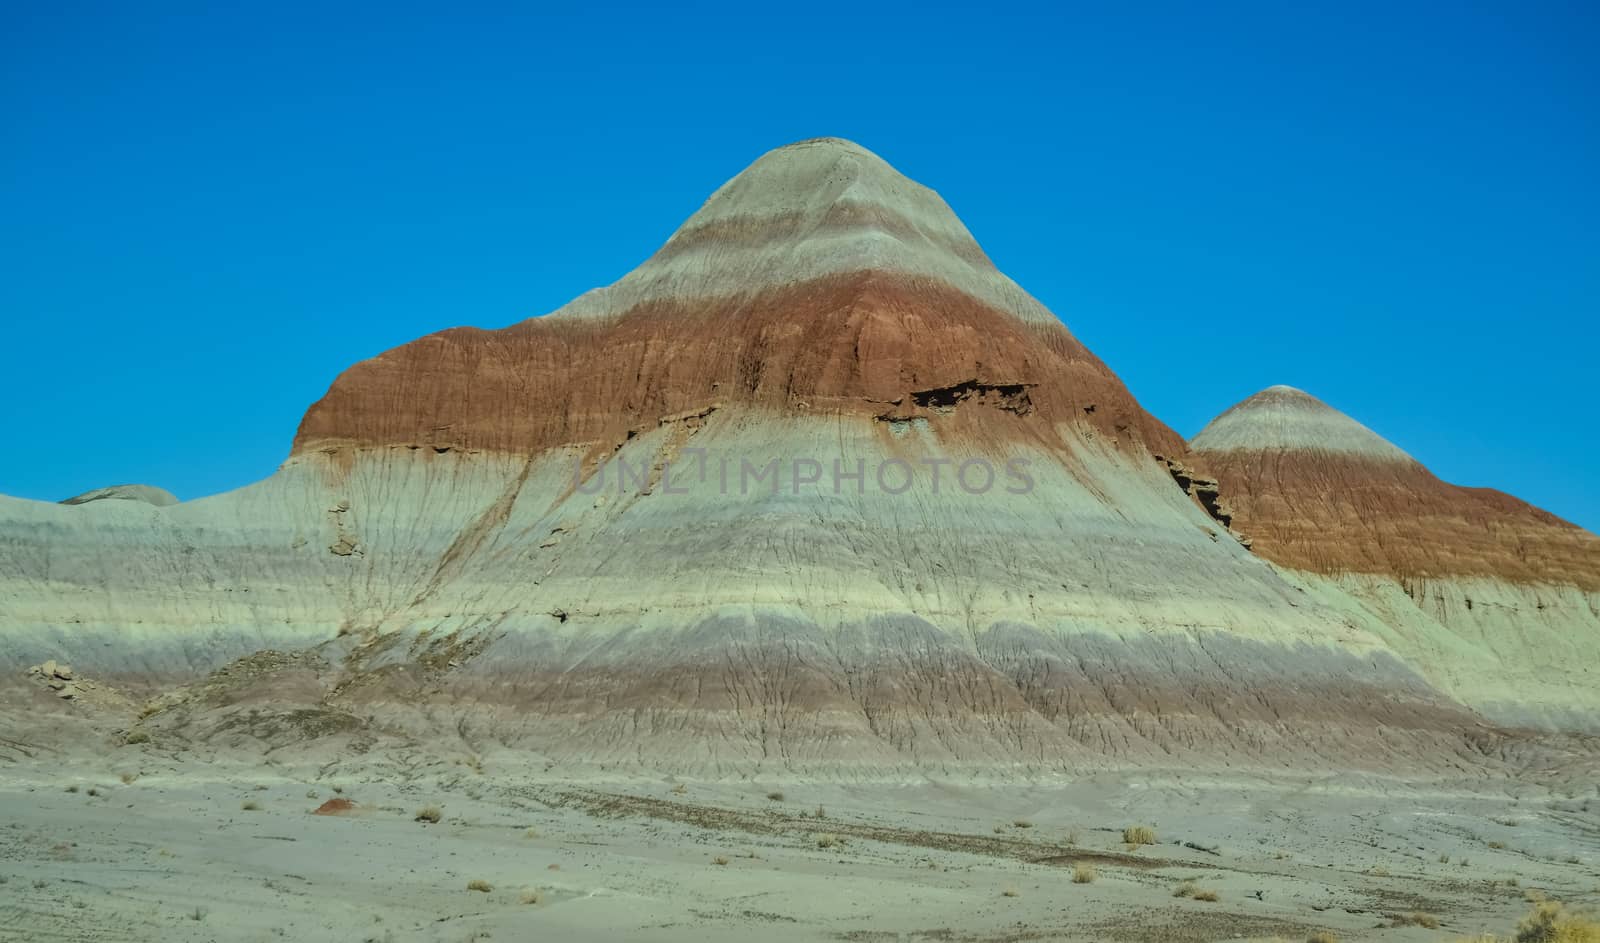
(1551, 922)
(1378, 871)
(129, 778)
(1497, 845)
(679, 789)
(1074, 836)
(72, 789)
(821, 813)
(249, 805)
(1022, 823)
(1194, 891)
(532, 897)
(775, 795)
(1444, 859)
(429, 814)
(1322, 936)
(479, 885)
(1010, 892)
(1418, 919)
(198, 914)
(829, 840)
(136, 736)
(1136, 835)
(720, 860)
(1083, 873)
(531, 833)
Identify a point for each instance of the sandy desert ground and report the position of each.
(143, 845)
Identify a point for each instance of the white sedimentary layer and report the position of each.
(1282, 418)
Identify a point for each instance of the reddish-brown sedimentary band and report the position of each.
(869, 343)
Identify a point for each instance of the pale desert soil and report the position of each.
(174, 856)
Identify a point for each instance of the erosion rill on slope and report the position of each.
(1494, 601)
(449, 550)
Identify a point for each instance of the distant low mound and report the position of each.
(149, 494)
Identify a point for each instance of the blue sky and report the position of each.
(207, 213)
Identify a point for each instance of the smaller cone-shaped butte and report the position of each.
(1492, 599)
(1317, 490)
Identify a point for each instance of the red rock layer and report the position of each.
(866, 343)
(1331, 513)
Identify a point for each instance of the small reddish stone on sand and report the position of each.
(334, 807)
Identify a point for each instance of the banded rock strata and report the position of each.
(450, 546)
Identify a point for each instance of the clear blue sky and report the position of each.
(206, 214)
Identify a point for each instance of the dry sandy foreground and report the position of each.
(192, 851)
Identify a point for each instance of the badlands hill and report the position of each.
(1490, 578)
(545, 538)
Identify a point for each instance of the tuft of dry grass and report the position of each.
(821, 813)
(480, 885)
(1022, 823)
(1137, 835)
(775, 795)
(1551, 922)
(1322, 936)
(429, 814)
(1010, 892)
(1074, 836)
(249, 805)
(720, 860)
(532, 897)
(1209, 897)
(531, 833)
(72, 789)
(679, 789)
(829, 840)
(1186, 889)
(1083, 873)
(136, 736)
(1418, 919)
(1497, 845)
